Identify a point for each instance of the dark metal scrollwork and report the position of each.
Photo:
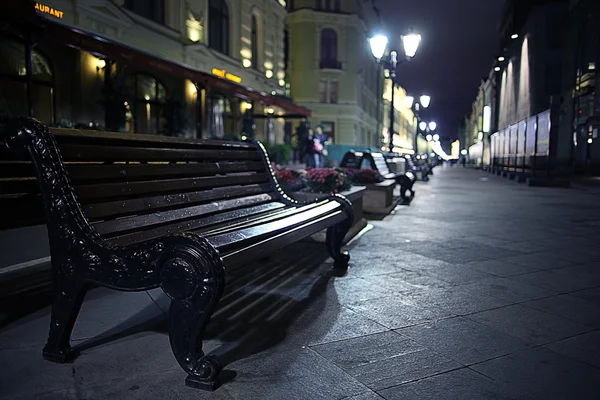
(186, 266)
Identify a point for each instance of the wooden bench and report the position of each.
(355, 160)
(136, 212)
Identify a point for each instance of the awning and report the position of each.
(115, 50)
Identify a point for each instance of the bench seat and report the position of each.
(136, 212)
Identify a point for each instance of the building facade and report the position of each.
(208, 68)
(331, 69)
(580, 106)
(405, 123)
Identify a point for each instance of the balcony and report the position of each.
(330, 64)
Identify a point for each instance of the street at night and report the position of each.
(299, 199)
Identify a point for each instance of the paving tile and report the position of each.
(532, 326)
(592, 295)
(585, 348)
(455, 301)
(539, 261)
(569, 307)
(557, 280)
(25, 374)
(507, 289)
(543, 374)
(164, 385)
(321, 326)
(386, 359)
(65, 394)
(464, 340)
(460, 384)
(392, 312)
(370, 395)
(103, 312)
(297, 374)
(501, 267)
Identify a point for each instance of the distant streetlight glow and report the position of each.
(378, 45)
(514, 36)
(497, 69)
(411, 44)
(423, 125)
(432, 126)
(425, 101)
(436, 137)
(463, 152)
(408, 101)
(429, 137)
(501, 58)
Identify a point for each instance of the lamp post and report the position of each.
(415, 106)
(378, 46)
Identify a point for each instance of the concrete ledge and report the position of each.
(549, 182)
(379, 197)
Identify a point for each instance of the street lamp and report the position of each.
(423, 126)
(429, 137)
(378, 45)
(425, 101)
(432, 126)
(436, 138)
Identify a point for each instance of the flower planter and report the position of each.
(379, 197)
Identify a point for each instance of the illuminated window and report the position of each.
(333, 92)
(152, 9)
(218, 25)
(323, 91)
(149, 98)
(13, 87)
(329, 49)
(254, 38)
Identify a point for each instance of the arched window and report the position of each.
(13, 83)
(329, 48)
(146, 110)
(218, 25)
(254, 38)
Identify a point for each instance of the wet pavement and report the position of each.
(481, 289)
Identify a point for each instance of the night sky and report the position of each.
(460, 41)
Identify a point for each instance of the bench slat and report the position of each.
(193, 225)
(97, 192)
(111, 228)
(73, 152)
(239, 238)
(237, 258)
(114, 209)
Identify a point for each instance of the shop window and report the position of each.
(218, 25)
(329, 49)
(329, 130)
(254, 39)
(13, 83)
(146, 109)
(152, 9)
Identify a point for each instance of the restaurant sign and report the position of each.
(221, 73)
(49, 10)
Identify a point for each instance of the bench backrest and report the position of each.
(352, 160)
(379, 163)
(139, 187)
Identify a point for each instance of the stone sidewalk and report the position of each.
(481, 289)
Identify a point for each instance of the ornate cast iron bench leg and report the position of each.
(336, 234)
(69, 292)
(194, 278)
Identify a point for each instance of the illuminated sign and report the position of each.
(221, 73)
(49, 10)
